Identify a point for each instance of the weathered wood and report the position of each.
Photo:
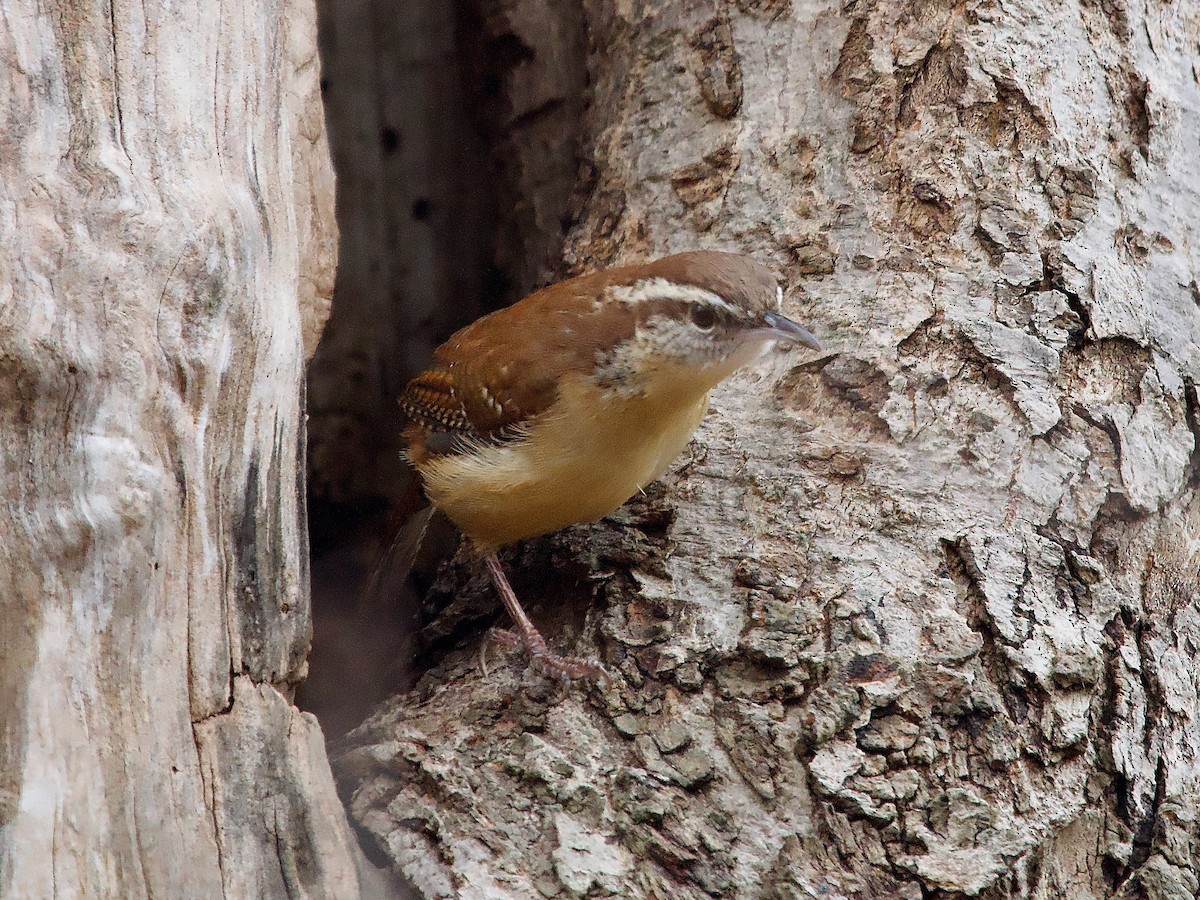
(917, 619)
(166, 253)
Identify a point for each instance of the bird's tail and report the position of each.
(391, 571)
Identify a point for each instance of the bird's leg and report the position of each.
(570, 666)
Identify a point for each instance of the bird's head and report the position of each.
(696, 318)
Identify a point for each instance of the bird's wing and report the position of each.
(453, 408)
(499, 374)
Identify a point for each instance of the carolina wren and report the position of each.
(559, 408)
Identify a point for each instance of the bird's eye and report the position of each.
(703, 317)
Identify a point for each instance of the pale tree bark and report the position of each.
(166, 260)
(916, 619)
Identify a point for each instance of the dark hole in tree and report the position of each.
(424, 115)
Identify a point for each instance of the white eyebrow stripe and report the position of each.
(661, 289)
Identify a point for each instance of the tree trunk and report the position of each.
(166, 258)
(918, 618)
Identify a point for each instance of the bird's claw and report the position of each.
(570, 668)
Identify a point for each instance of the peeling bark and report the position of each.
(918, 618)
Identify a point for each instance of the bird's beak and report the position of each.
(781, 328)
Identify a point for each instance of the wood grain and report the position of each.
(166, 258)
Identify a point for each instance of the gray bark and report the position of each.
(166, 258)
(916, 619)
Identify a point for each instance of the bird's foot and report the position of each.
(570, 668)
(526, 635)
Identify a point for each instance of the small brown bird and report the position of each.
(559, 408)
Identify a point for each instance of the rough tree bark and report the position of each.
(919, 618)
(166, 259)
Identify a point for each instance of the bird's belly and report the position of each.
(573, 468)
